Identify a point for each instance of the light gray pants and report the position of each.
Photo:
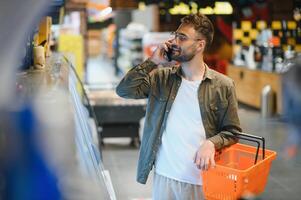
(168, 189)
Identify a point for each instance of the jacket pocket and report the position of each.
(218, 112)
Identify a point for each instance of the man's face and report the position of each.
(186, 44)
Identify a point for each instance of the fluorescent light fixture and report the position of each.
(141, 6)
(182, 9)
(220, 8)
(106, 11)
(223, 8)
(207, 11)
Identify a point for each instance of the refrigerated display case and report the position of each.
(71, 133)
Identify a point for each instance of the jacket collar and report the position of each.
(207, 75)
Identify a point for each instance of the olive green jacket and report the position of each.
(217, 101)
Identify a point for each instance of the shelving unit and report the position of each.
(130, 47)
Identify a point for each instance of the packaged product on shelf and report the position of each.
(131, 46)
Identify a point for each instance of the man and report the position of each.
(191, 112)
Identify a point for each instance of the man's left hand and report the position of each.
(205, 156)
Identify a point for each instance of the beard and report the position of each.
(181, 55)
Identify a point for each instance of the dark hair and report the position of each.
(202, 25)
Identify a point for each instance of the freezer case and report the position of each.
(117, 116)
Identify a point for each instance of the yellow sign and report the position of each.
(72, 46)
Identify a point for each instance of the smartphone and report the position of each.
(171, 50)
(168, 54)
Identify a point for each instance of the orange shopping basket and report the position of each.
(241, 171)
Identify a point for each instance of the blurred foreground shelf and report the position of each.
(71, 136)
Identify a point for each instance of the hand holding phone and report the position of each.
(163, 54)
(168, 54)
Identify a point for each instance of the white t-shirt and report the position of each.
(183, 135)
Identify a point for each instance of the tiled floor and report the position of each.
(284, 181)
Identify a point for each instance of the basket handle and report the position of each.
(252, 138)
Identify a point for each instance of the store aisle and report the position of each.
(121, 159)
(284, 178)
(285, 174)
(100, 71)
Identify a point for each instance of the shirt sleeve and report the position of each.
(136, 83)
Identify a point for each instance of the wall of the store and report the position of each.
(280, 10)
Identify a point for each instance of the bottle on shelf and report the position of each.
(277, 54)
(289, 53)
(267, 60)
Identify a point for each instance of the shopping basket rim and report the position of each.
(271, 156)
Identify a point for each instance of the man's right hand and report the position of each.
(159, 55)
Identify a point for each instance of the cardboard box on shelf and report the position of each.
(94, 34)
(94, 47)
(45, 33)
(94, 42)
(79, 1)
(121, 4)
(44, 29)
